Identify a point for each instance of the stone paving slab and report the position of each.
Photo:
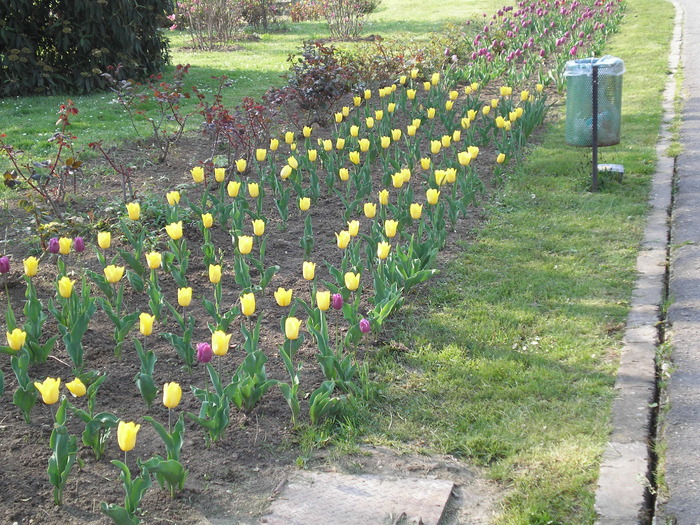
(323, 498)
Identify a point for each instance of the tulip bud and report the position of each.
(76, 387)
(31, 266)
(486, 109)
(285, 172)
(207, 220)
(291, 328)
(425, 163)
(172, 393)
(501, 158)
(79, 244)
(435, 147)
(304, 203)
(312, 154)
(260, 154)
(354, 131)
(49, 389)
(258, 227)
(174, 230)
(383, 249)
(414, 73)
(214, 273)
(184, 296)
(352, 281)
(345, 110)
(204, 352)
(416, 210)
(64, 244)
(397, 180)
(337, 301)
(248, 304)
(4, 264)
(16, 339)
(197, 174)
(338, 118)
(427, 86)
(344, 174)
(241, 165)
(353, 228)
(539, 88)
(342, 239)
(391, 106)
(126, 435)
(253, 189)
(220, 342)
(370, 210)
(354, 157)
(445, 140)
(327, 145)
(385, 142)
(411, 130)
(289, 137)
(134, 210)
(340, 144)
(232, 188)
(274, 144)
(309, 270)
(146, 323)
(104, 240)
(283, 297)
(219, 174)
(323, 300)
(384, 197)
(364, 145)
(65, 287)
(364, 326)
(453, 95)
(245, 244)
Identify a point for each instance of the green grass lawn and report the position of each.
(514, 349)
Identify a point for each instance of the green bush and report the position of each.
(49, 46)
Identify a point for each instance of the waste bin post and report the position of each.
(594, 181)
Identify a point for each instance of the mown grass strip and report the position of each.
(513, 352)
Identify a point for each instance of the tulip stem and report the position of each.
(170, 426)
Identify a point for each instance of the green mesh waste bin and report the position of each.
(579, 100)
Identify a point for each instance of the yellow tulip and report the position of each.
(172, 393)
(500, 122)
(390, 227)
(501, 158)
(453, 95)
(512, 116)
(445, 140)
(354, 131)
(411, 94)
(64, 244)
(397, 180)
(384, 197)
(519, 112)
(504, 91)
(475, 85)
(76, 387)
(383, 249)
(467, 90)
(364, 145)
(435, 78)
(466, 123)
(385, 142)
(344, 174)
(435, 147)
(327, 145)
(248, 303)
(416, 210)
(406, 174)
(126, 435)
(353, 228)
(391, 106)
(184, 296)
(431, 113)
(369, 122)
(293, 162)
(65, 287)
(395, 134)
(473, 151)
(342, 239)
(338, 118)
(494, 103)
(233, 187)
(307, 131)
(402, 79)
(134, 210)
(291, 328)
(293, 146)
(274, 144)
(425, 163)
(486, 109)
(471, 114)
(304, 203)
(220, 342)
(245, 244)
(339, 144)
(146, 323)
(414, 73)
(508, 125)
(309, 270)
(352, 281)
(16, 339)
(258, 227)
(197, 174)
(370, 210)
(432, 196)
(283, 297)
(448, 105)
(260, 154)
(323, 300)
(354, 157)
(356, 101)
(219, 174)
(524, 95)
(451, 175)
(368, 94)
(241, 165)
(345, 110)
(427, 86)
(285, 172)
(49, 389)
(411, 130)
(253, 189)
(207, 220)
(113, 273)
(31, 266)
(457, 135)
(464, 158)
(289, 137)
(215, 273)
(173, 197)
(174, 230)
(312, 154)
(539, 88)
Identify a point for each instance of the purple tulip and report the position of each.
(364, 326)
(204, 352)
(4, 264)
(53, 245)
(337, 301)
(78, 244)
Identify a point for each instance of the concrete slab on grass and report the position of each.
(320, 498)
